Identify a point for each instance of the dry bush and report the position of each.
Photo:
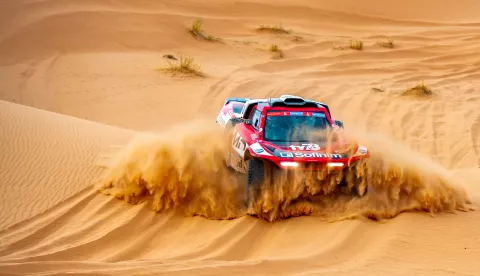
(386, 44)
(197, 31)
(418, 90)
(356, 44)
(277, 51)
(273, 29)
(186, 66)
(353, 44)
(376, 89)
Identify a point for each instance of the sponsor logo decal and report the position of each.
(310, 155)
(237, 163)
(362, 150)
(257, 148)
(305, 147)
(238, 142)
(296, 113)
(275, 113)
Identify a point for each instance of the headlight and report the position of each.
(289, 164)
(335, 164)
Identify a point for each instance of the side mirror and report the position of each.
(235, 121)
(339, 123)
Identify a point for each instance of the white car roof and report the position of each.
(250, 102)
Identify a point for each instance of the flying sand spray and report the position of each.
(183, 169)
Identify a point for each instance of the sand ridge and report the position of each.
(79, 84)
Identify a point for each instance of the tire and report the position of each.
(254, 179)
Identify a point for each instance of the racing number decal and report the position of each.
(238, 142)
(239, 145)
(239, 163)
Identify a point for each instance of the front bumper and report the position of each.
(316, 161)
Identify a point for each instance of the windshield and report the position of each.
(287, 126)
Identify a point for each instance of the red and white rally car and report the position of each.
(280, 134)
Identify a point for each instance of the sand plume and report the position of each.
(398, 179)
(183, 169)
(180, 169)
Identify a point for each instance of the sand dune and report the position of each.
(79, 85)
(43, 158)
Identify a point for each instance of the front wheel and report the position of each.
(256, 169)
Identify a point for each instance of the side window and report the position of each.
(255, 118)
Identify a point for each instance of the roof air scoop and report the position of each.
(290, 99)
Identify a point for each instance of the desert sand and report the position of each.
(85, 114)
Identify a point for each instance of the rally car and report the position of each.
(279, 134)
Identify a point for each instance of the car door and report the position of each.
(239, 145)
